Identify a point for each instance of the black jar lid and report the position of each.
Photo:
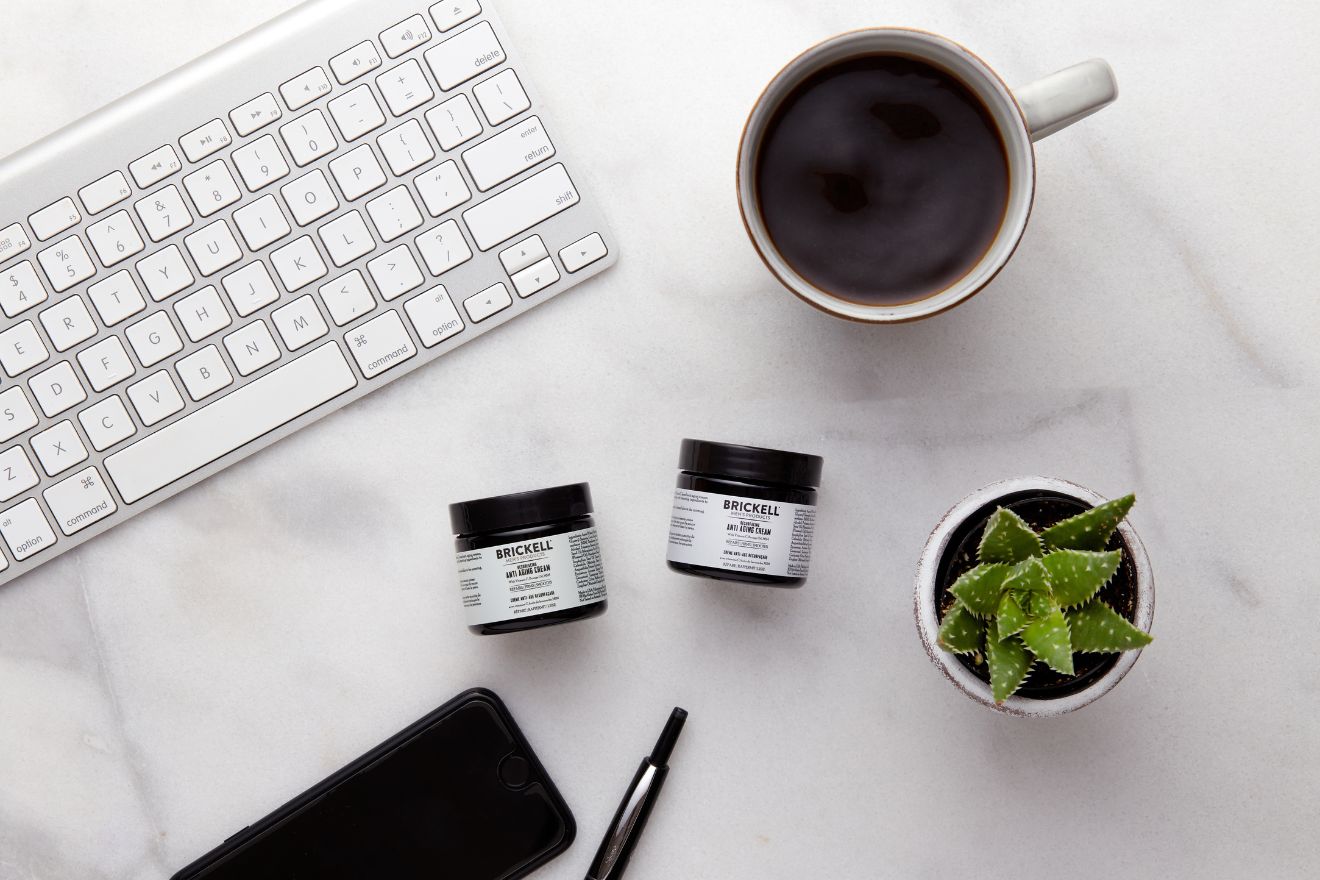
(520, 509)
(750, 463)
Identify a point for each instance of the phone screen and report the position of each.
(462, 799)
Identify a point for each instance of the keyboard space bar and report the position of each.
(232, 421)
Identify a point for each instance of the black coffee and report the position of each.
(882, 179)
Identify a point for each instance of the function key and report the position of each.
(305, 88)
(450, 15)
(358, 61)
(13, 241)
(405, 35)
(155, 166)
(255, 114)
(202, 142)
(51, 220)
(105, 193)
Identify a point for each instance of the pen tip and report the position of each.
(665, 744)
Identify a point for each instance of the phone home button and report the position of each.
(514, 771)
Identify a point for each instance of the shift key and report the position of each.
(521, 207)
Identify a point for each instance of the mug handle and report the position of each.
(1057, 101)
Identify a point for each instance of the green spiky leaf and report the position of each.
(960, 632)
(1077, 575)
(1090, 530)
(1009, 663)
(1008, 539)
(1030, 577)
(1040, 605)
(1010, 618)
(979, 588)
(1100, 629)
(1048, 638)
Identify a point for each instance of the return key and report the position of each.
(508, 154)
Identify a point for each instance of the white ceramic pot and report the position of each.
(927, 614)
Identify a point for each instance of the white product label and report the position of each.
(741, 534)
(531, 577)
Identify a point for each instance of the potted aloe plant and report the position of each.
(1034, 596)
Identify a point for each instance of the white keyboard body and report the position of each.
(255, 240)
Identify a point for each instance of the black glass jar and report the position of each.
(743, 513)
(528, 560)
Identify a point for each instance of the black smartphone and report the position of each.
(459, 795)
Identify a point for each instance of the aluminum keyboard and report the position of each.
(259, 238)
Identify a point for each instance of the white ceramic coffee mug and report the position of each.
(1022, 116)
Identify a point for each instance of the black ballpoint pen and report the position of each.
(612, 857)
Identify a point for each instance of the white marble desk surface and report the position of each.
(173, 680)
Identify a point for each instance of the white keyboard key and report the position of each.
(481, 306)
(465, 55)
(66, 264)
(154, 167)
(106, 363)
(255, 114)
(204, 373)
(153, 338)
(202, 313)
(16, 413)
(261, 223)
(21, 348)
(212, 188)
(434, 317)
(451, 14)
(155, 398)
(57, 389)
(51, 220)
(443, 247)
(308, 138)
(78, 501)
(380, 344)
(231, 422)
(454, 122)
(508, 154)
(299, 323)
(347, 238)
(165, 273)
(395, 213)
(501, 97)
(358, 61)
(521, 207)
(396, 273)
(583, 252)
(357, 172)
(523, 254)
(251, 289)
(213, 248)
(20, 289)
(356, 113)
(68, 323)
(104, 193)
(404, 87)
(535, 278)
(298, 264)
(205, 140)
(261, 163)
(164, 213)
(442, 188)
(115, 239)
(310, 197)
(59, 448)
(347, 298)
(13, 241)
(26, 530)
(16, 473)
(305, 88)
(406, 147)
(405, 36)
(252, 348)
(117, 298)
(107, 423)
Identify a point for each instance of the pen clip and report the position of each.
(628, 817)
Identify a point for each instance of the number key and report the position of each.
(115, 238)
(66, 263)
(164, 213)
(260, 163)
(212, 188)
(308, 138)
(20, 290)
